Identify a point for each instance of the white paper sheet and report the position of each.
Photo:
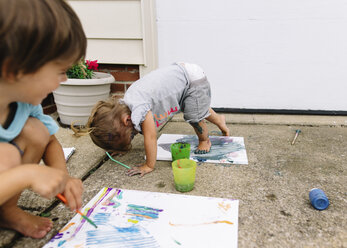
(130, 218)
(226, 150)
(68, 152)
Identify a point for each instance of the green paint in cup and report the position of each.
(180, 150)
(184, 174)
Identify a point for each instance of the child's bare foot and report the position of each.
(223, 127)
(203, 147)
(25, 223)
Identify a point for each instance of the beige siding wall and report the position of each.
(119, 31)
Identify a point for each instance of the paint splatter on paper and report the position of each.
(149, 219)
(225, 150)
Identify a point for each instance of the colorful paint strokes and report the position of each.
(224, 150)
(142, 211)
(150, 219)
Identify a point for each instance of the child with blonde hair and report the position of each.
(39, 41)
(148, 104)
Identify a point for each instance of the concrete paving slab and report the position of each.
(7, 236)
(274, 119)
(86, 156)
(301, 120)
(273, 188)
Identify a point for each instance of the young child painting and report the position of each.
(39, 41)
(148, 104)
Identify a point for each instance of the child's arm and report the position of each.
(150, 141)
(45, 181)
(54, 157)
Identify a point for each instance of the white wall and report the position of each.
(261, 54)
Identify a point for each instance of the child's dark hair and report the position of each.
(35, 32)
(106, 128)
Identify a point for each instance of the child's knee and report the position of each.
(35, 133)
(10, 157)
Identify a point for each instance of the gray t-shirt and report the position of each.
(167, 91)
(160, 91)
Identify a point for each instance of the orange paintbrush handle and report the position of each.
(77, 211)
(62, 198)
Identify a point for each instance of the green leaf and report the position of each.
(80, 71)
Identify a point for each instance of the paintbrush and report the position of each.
(117, 161)
(63, 199)
(296, 135)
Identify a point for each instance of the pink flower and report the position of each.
(92, 64)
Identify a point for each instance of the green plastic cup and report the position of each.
(184, 174)
(180, 150)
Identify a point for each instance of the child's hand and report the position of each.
(73, 193)
(46, 181)
(142, 170)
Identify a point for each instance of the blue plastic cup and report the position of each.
(318, 199)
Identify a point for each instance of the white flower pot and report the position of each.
(75, 98)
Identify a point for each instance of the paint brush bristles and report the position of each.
(63, 199)
(117, 161)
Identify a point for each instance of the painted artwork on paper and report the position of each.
(224, 149)
(130, 218)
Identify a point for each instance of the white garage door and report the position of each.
(261, 54)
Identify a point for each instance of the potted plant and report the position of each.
(76, 97)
